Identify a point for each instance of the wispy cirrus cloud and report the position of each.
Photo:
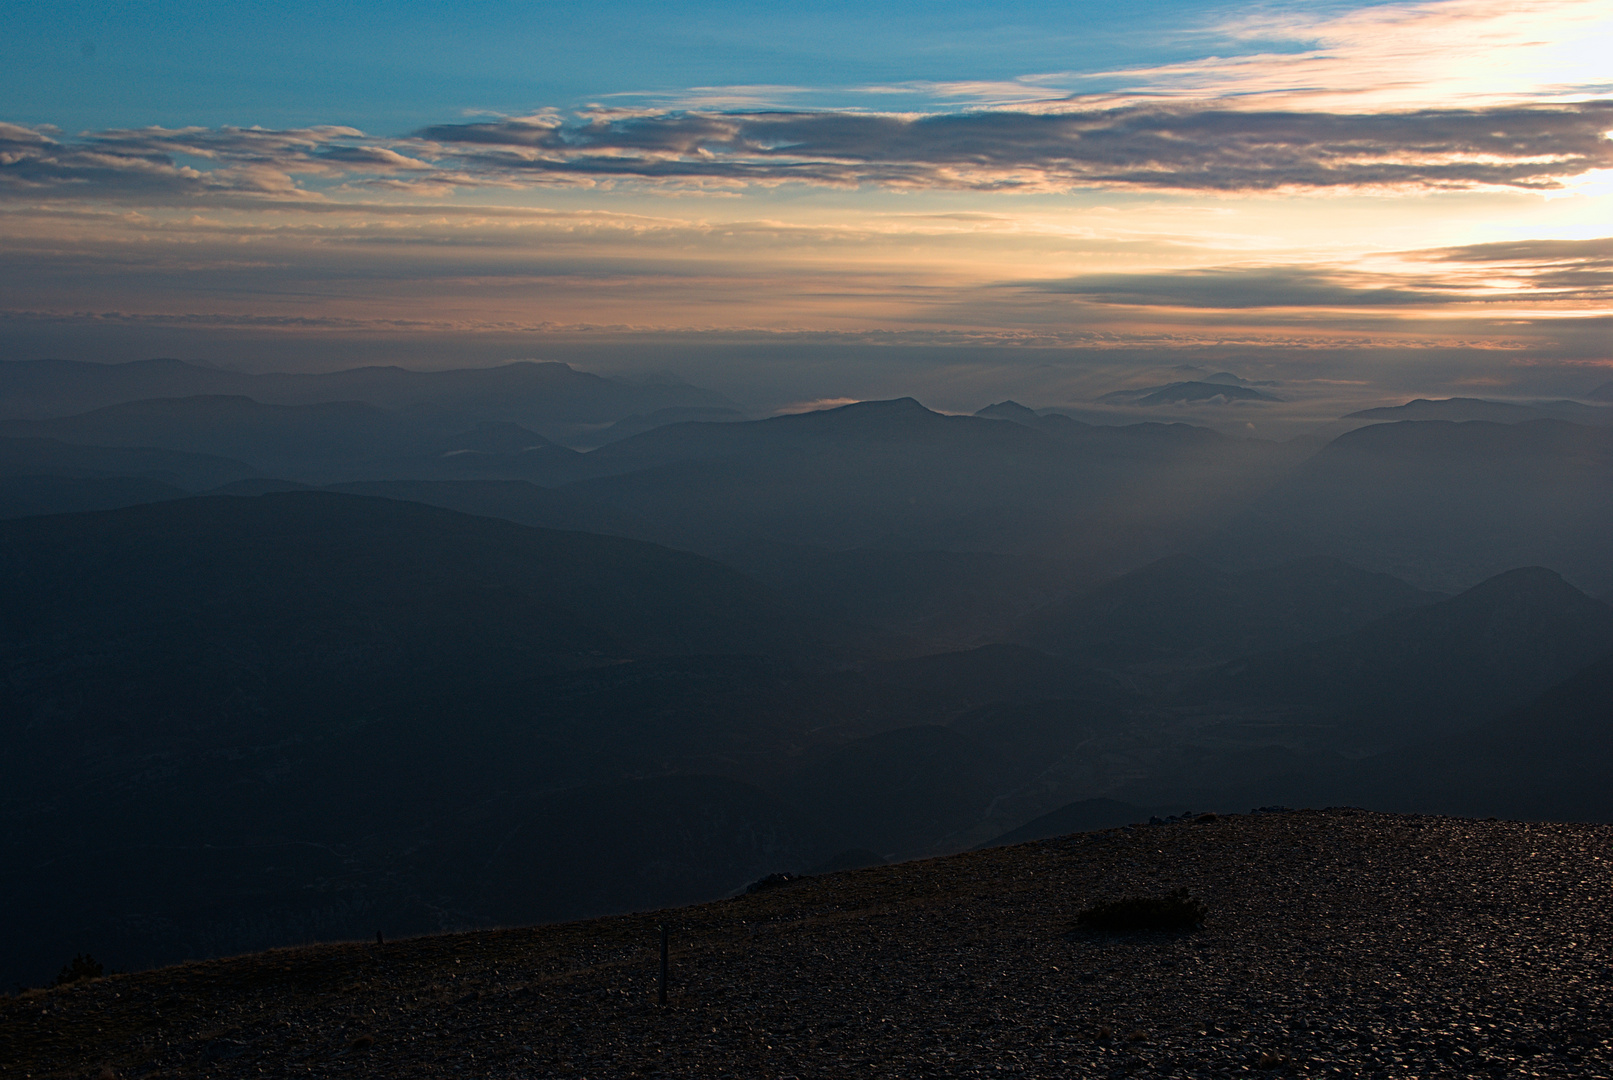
(1398, 56)
(1253, 287)
(1563, 270)
(1442, 95)
(1155, 147)
(1386, 56)
(192, 162)
(1163, 147)
(1526, 273)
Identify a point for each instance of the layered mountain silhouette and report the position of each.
(331, 440)
(893, 475)
(1182, 611)
(899, 791)
(37, 457)
(30, 496)
(1501, 412)
(512, 500)
(937, 597)
(1445, 505)
(280, 572)
(637, 424)
(211, 705)
(1178, 393)
(417, 661)
(1548, 759)
(551, 398)
(1436, 670)
(1054, 423)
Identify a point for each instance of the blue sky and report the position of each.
(390, 68)
(961, 201)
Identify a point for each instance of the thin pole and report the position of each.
(662, 996)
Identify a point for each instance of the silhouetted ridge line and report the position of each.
(1183, 610)
(1436, 670)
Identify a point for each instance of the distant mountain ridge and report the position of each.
(1435, 670)
(1501, 412)
(894, 475)
(32, 496)
(1182, 610)
(1445, 505)
(337, 440)
(38, 457)
(1046, 420)
(552, 398)
(1182, 392)
(1548, 759)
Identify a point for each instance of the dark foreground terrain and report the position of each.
(1338, 942)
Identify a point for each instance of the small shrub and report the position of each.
(771, 881)
(1173, 911)
(83, 966)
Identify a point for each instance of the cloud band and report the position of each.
(1210, 148)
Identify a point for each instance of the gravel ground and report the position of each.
(1338, 942)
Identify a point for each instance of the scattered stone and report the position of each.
(1342, 943)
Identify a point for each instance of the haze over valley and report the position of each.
(303, 668)
(475, 466)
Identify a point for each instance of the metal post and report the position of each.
(661, 998)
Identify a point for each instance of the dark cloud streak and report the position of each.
(151, 163)
(1157, 147)
(1567, 269)
(1243, 288)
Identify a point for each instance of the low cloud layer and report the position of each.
(1152, 147)
(1175, 147)
(165, 164)
(1249, 287)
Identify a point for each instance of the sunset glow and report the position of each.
(1397, 198)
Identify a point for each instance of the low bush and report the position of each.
(83, 966)
(771, 881)
(1173, 911)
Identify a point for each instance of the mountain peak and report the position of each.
(901, 405)
(1008, 410)
(903, 408)
(1526, 583)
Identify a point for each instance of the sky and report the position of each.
(963, 202)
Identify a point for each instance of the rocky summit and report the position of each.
(1335, 943)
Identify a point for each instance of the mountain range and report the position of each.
(1178, 393)
(1185, 612)
(1436, 669)
(1442, 504)
(285, 657)
(319, 442)
(552, 398)
(1501, 412)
